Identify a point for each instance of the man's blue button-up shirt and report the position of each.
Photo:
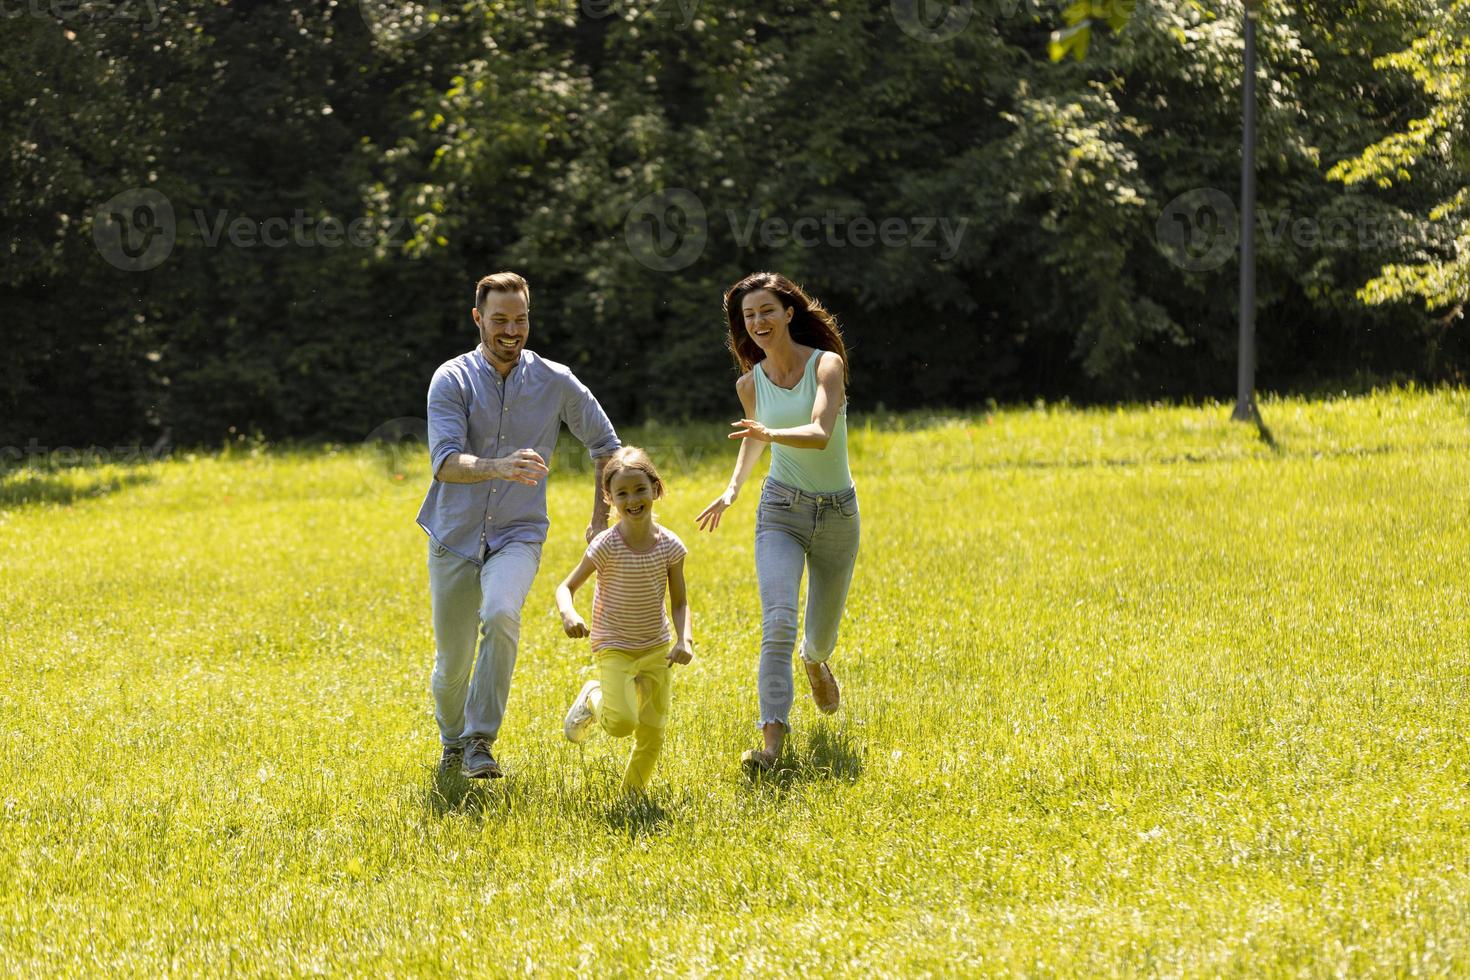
(472, 409)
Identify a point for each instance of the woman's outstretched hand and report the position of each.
(709, 518)
(750, 429)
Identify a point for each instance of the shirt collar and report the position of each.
(515, 373)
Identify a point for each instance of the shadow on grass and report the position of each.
(638, 816)
(21, 488)
(452, 794)
(827, 755)
(1266, 436)
(445, 795)
(1262, 429)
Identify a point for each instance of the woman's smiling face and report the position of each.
(632, 494)
(766, 320)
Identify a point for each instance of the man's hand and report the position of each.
(595, 527)
(522, 466)
(574, 626)
(681, 654)
(598, 523)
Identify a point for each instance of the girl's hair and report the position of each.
(811, 323)
(631, 458)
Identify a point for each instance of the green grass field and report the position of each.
(1125, 692)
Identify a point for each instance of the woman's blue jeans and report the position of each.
(795, 531)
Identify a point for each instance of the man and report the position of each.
(494, 417)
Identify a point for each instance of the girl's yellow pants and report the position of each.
(636, 687)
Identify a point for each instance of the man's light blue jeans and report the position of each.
(797, 531)
(476, 606)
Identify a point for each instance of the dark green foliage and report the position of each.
(523, 135)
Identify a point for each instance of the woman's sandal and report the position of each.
(825, 691)
(757, 760)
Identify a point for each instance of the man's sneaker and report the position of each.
(824, 687)
(450, 759)
(580, 716)
(478, 762)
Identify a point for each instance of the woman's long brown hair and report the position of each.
(811, 323)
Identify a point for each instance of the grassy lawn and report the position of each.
(1125, 691)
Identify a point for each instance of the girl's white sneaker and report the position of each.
(581, 715)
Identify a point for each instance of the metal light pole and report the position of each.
(1245, 399)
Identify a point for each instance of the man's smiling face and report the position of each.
(505, 322)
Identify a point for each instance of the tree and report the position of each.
(985, 221)
(1437, 269)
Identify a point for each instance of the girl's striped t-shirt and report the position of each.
(628, 602)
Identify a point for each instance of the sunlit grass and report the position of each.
(1125, 691)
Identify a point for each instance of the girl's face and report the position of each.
(633, 495)
(766, 320)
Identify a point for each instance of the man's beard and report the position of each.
(499, 353)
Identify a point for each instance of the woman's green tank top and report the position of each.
(812, 470)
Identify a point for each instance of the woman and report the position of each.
(793, 389)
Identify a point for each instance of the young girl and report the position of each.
(633, 559)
